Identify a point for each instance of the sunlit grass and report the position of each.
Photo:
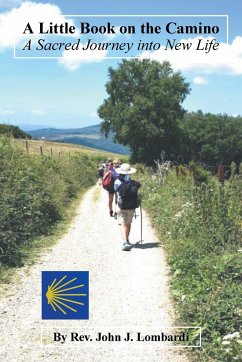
(54, 149)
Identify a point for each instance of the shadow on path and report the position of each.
(146, 245)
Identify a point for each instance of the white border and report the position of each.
(149, 344)
(128, 16)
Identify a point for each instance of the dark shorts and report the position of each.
(111, 192)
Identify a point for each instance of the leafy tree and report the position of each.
(143, 108)
(212, 138)
(13, 131)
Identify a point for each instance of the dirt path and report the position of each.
(128, 292)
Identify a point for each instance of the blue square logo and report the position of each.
(65, 295)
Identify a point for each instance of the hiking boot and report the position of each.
(126, 246)
(111, 213)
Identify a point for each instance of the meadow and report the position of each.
(49, 148)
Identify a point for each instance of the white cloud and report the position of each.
(227, 59)
(111, 36)
(14, 21)
(199, 80)
(37, 112)
(72, 59)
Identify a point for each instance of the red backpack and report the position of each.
(107, 181)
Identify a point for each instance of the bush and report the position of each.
(13, 131)
(200, 228)
(35, 192)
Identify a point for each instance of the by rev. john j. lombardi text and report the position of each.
(128, 336)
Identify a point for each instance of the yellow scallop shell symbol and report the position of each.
(56, 295)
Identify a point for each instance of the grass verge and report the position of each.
(32, 252)
(199, 226)
(35, 195)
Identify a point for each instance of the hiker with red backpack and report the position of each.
(101, 169)
(127, 200)
(108, 183)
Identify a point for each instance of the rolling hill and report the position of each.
(13, 131)
(87, 136)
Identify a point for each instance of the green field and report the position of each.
(57, 148)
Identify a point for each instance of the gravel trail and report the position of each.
(128, 293)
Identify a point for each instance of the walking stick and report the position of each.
(115, 206)
(140, 222)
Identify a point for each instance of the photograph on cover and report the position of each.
(121, 180)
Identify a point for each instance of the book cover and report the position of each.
(154, 89)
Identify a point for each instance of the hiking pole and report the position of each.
(140, 222)
(115, 206)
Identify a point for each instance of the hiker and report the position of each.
(113, 167)
(116, 164)
(127, 199)
(108, 183)
(101, 170)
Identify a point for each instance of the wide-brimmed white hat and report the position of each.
(125, 169)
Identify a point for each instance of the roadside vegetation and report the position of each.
(35, 194)
(199, 224)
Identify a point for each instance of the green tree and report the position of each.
(13, 131)
(212, 138)
(143, 108)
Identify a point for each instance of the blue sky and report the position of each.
(66, 93)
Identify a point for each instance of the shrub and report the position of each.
(13, 131)
(35, 192)
(200, 229)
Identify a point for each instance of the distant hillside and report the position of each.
(86, 136)
(13, 131)
(30, 127)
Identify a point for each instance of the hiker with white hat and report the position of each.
(127, 199)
